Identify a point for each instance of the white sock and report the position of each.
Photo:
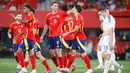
(113, 57)
(113, 62)
(99, 56)
(106, 66)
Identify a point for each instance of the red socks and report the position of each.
(87, 61)
(68, 56)
(65, 61)
(20, 58)
(70, 62)
(33, 62)
(26, 63)
(16, 58)
(44, 62)
(55, 61)
(61, 62)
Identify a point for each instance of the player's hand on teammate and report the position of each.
(64, 35)
(14, 39)
(41, 39)
(100, 36)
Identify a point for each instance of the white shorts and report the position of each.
(104, 43)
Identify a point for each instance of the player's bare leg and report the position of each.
(99, 57)
(44, 62)
(87, 62)
(33, 61)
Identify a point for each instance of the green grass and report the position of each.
(8, 65)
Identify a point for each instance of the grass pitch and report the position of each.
(8, 65)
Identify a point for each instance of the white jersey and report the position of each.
(107, 23)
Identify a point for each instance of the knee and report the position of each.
(83, 54)
(107, 57)
(51, 53)
(19, 50)
(31, 53)
(73, 53)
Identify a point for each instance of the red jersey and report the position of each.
(30, 26)
(80, 22)
(36, 26)
(55, 21)
(68, 26)
(16, 29)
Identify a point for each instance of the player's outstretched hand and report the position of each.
(12, 15)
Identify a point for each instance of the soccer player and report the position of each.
(66, 45)
(99, 51)
(16, 28)
(107, 40)
(28, 42)
(80, 39)
(38, 48)
(54, 24)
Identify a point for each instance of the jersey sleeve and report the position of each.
(11, 27)
(47, 19)
(77, 21)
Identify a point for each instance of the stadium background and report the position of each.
(120, 9)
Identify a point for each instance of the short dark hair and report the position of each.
(102, 9)
(54, 3)
(65, 8)
(79, 8)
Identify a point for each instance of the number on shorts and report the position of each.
(105, 48)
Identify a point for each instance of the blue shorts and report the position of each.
(27, 44)
(79, 45)
(15, 47)
(66, 44)
(37, 47)
(54, 42)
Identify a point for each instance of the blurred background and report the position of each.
(120, 9)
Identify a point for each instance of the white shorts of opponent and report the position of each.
(104, 43)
